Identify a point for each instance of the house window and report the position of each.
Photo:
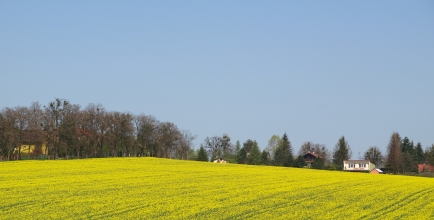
(351, 165)
(362, 165)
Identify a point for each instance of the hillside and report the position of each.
(161, 188)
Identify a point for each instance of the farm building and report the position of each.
(423, 168)
(29, 149)
(310, 157)
(376, 171)
(220, 160)
(358, 165)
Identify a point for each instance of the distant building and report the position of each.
(358, 165)
(376, 171)
(310, 157)
(423, 168)
(219, 160)
(31, 149)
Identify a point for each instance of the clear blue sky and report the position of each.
(314, 69)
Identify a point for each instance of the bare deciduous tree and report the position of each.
(185, 143)
(394, 160)
(147, 134)
(214, 146)
(35, 128)
(67, 131)
(54, 117)
(168, 139)
(273, 144)
(374, 155)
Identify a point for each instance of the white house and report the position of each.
(220, 160)
(358, 165)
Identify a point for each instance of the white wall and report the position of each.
(356, 165)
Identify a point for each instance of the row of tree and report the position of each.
(402, 155)
(69, 131)
(279, 152)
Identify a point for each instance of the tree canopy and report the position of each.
(341, 152)
(374, 155)
(394, 158)
(202, 155)
(62, 129)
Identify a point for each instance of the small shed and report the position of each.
(376, 171)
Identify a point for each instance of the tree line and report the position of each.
(279, 152)
(68, 131)
(402, 155)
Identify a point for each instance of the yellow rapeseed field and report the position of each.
(151, 188)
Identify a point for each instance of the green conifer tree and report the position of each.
(419, 153)
(254, 157)
(279, 157)
(202, 155)
(242, 156)
(300, 162)
(341, 152)
(265, 157)
(318, 163)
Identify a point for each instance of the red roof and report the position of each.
(425, 167)
(82, 131)
(312, 153)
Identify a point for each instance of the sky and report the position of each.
(317, 70)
